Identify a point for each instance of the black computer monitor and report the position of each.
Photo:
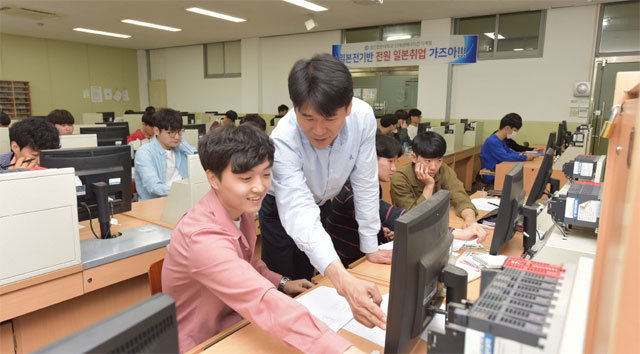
(108, 116)
(424, 127)
(542, 179)
(191, 118)
(510, 202)
(104, 172)
(560, 139)
(149, 326)
(200, 127)
(108, 135)
(118, 124)
(551, 142)
(420, 256)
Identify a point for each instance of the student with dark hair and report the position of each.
(163, 160)
(27, 137)
(62, 120)
(5, 120)
(254, 119)
(426, 175)
(342, 226)
(145, 134)
(412, 129)
(229, 118)
(495, 150)
(282, 110)
(388, 124)
(402, 135)
(209, 269)
(512, 144)
(328, 137)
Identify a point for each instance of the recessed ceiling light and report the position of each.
(307, 5)
(402, 36)
(490, 35)
(152, 25)
(215, 14)
(102, 33)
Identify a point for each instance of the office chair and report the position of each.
(155, 277)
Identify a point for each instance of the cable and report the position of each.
(90, 219)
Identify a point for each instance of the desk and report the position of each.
(45, 308)
(529, 172)
(150, 210)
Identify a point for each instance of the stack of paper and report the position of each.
(486, 203)
(328, 306)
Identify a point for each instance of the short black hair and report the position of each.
(282, 107)
(429, 145)
(167, 119)
(254, 119)
(512, 120)
(402, 114)
(231, 114)
(150, 110)
(5, 119)
(322, 81)
(60, 116)
(415, 112)
(38, 134)
(388, 119)
(387, 147)
(244, 147)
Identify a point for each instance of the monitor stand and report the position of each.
(100, 190)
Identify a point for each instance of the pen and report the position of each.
(494, 204)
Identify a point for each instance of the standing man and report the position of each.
(328, 138)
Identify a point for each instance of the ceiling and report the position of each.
(264, 18)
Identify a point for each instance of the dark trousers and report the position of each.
(279, 252)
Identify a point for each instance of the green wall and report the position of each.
(58, 72)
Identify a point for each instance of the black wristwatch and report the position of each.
(283, 281)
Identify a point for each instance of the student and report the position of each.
(229, 118)
(342, 226)
(415, 116)
(62, 120)
(328, 137)
(426, 175)
(402, 135)
(282, 110)
(5, 120)
(27, 137)
(495, 150)
(145, 134)
(512, 144)
(388, 124)
(254, 119)
(209, 269)
(164, 159)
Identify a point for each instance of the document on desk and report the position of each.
(331, 308)
(486, 203)
(375, 334)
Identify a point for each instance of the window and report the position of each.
(222, 59)
(382, 33)
(619, 29)
(515, 35)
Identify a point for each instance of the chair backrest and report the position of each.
(155, 276)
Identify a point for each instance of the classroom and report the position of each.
(503, 134)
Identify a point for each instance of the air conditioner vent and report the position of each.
(30, 14)
(367, 2)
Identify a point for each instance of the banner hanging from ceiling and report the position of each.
(458, 49)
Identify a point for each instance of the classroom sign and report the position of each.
(459, 49)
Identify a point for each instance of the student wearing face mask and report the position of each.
(495, 149)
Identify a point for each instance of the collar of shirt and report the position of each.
(217, 212)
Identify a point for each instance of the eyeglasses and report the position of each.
(174, 133)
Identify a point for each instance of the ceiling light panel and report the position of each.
(151, 25)
(307, 5)
(215, 14)
(102, 33)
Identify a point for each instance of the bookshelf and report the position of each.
(15, 98)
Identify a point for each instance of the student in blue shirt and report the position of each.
(327, 138)
(495, 150)
(163, 160)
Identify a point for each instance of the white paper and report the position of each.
(375, 334)
(387, 246)
(472, 273)
(459, 244)
(589, 211)
(486, 203)
(489, 260)
(96, 94)
(117, 96)
(107, 94)
(328, 306)
(125, 95)
(85, 94)
(569, 209)
(437, 324)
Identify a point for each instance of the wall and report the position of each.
(58, 72)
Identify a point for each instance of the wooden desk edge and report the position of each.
(21, 284)
(218, 337)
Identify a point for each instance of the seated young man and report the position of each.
(62, 120)
(254, 119)
(512, 144)
(229, 118)
(495, 150)
(342, 226)
(415, 116)
(282, 110)
(5, 120)
(145, 134)
(210, 269)
(164, 159)
(388, 124)
(402, 135)
(426, 174)
(27, 137)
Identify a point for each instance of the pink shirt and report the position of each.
(210, 272)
